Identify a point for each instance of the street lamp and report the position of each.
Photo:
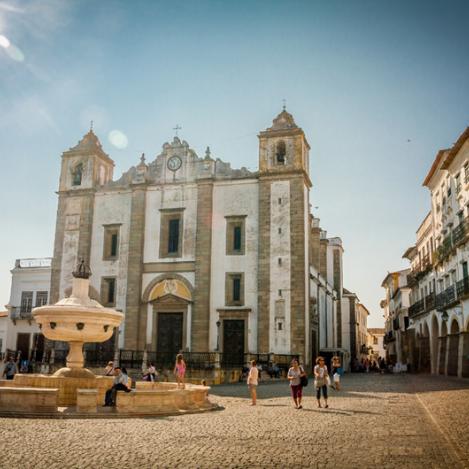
(218, 323)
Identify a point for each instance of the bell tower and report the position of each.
(84, 168)
(283, 147)
(283, 286)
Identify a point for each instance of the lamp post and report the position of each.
(218, 323)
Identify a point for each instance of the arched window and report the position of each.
(77, 175)
(280, 152)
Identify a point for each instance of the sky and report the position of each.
(378, 87)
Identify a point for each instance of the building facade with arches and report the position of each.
(437, 332)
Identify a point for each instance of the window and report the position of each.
(26, 301)
(41, 298)
(111, 242)
(280, 201)
(280, 152)
(280, 292)
(280, 231)
(171, 232)
(466, 172)
(235, 235)
(234, 289)
(280, 326)
(279, 261)
(375, 340)
(77, 174)
(173, 236)
(108, 291)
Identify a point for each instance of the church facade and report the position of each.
(198, 256)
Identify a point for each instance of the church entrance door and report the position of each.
(169, 337)
(233, 342)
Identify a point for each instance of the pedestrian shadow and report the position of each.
(275, 405)
(348, 413)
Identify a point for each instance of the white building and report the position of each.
(440, 306)
(199, 256)
(396, 315)
(30, 285)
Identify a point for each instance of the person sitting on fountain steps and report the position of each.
(121, 383)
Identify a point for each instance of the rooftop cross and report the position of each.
(91, 126)
(284, 101)
(178, 127)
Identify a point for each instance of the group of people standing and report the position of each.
(298, 379)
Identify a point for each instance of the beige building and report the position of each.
(375, 343)
(199, 256)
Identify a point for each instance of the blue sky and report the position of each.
(379, 87)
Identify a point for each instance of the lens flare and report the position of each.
(15, 53)
(4, 42)
(118, 139)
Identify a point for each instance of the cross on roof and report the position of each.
(284, 101)
(178, 127)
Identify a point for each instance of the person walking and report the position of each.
(252, 381)
(10, 369)
(180, 370)
(121, 383)
(320, 380)
(294, 376)
(335, 365)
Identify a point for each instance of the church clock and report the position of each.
(174, 163)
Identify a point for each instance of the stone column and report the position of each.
(453, 354)
(133, 318)
(441, 355)
(58, 250)
(149, 334)
(203, 258)
(189, 326)
(446, 355)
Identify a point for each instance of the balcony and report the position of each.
(460, 233)
(18, 312)
(430, 301)
(416, 308)
(462, 287)
(389, 337)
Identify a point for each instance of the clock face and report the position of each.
(174, 163)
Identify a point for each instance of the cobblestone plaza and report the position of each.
(375, 421)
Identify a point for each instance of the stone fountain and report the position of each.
(77, 320)
(76, 391)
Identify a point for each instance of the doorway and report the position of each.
(233, 341)
(22, 345)
(169, 335)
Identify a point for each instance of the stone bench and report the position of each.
(27, 400)
(162, 399)
(87, 400)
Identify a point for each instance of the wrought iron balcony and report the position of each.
(460, 233)
(462, 287)
(416, 308)
(19, 312)
(430, 301)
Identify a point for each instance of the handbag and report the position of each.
(303, 381)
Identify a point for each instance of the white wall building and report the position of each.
(30, 285)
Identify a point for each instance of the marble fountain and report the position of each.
(75, 391)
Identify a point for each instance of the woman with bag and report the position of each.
(336, 372)
(321, 377)
(295, 375)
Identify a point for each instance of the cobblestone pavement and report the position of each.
(376, 421)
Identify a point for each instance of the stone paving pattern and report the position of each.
(376, 421)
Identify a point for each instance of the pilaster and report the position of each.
(135, 322)
(203, 250)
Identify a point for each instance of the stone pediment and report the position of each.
(170, 299)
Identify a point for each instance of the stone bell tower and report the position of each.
(84, 168)
(283, 270)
